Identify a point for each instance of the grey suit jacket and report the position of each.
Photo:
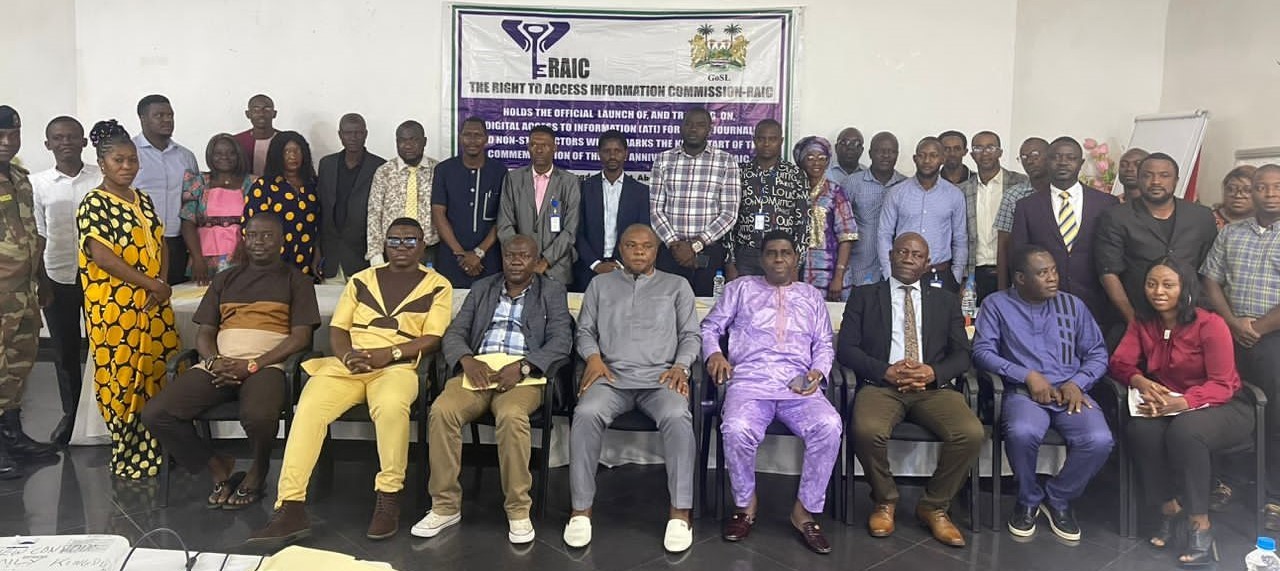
(970, 187)
(545, 321)
(518, 215)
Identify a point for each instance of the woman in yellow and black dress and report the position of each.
(288, 188)
(130, 323)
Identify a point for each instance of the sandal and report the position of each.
(1220, 497)
(244, 497)
(1202, 550)
(1172, 528)
(216, 501)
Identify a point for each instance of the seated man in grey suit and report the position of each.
(542, 201)
(638, 332)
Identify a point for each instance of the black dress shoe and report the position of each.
(1062, 522)
(9, 469)
(17, 441)
(1023, 521)
(61, 435)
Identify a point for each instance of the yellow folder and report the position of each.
(497, 361)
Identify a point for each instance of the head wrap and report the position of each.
(810, 144)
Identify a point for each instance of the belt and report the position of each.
(941, 266)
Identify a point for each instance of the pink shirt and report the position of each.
(540, 182)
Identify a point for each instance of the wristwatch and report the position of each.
(252, 367)
(208, 363)
(479, 252)
(697, 246)
(525, 369)
(396, 353)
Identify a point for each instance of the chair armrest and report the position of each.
(558, 380)
(427, 368)
(187, 357)
(1121, 392)
(969, 388)
(989, 381)
(1259, 397)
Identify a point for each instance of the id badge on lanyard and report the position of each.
(555, 216)
(936, 280)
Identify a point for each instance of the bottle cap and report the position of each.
(1266, 543)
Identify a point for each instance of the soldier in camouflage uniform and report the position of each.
(21, 268)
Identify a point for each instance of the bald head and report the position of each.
(639, 231)
(638, 249)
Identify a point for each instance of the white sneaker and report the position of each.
(577, 533)
(434, 523)
(679, 536)
(520, 531)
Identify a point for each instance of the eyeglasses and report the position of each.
(1028, 156)
(989, 149)
(1238, 189)
(406, 243)
(855, 143)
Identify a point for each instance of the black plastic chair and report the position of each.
(1052, 437)
(1129, 526)
(713, 413)
(360, 413)
(227, 411)
(907, 432)
(635, 421)
(542, 419)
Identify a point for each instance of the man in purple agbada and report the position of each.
(780, 348)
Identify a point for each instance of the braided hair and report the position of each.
(105, 135)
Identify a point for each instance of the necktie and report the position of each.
(411, 194)
(1067, 223)
(911, 340)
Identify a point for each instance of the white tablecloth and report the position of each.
(777, 454)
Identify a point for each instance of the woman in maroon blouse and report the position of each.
(1180, 359)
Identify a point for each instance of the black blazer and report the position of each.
(344, 245)
(866, 333)
(545, 321)
(633, 208)
(1129, 241)
(1035, 222)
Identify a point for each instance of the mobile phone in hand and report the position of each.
(801, 383)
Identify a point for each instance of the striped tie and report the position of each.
(1067, 223)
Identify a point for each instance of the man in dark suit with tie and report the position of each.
(611, 202)
(345, 178)
(1064, 221)
(906, 343)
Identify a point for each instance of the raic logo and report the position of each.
(707, 53)
(538, 37)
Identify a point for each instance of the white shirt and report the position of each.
(57, 196)
(987, 205)
(612, 198)
(897, 297)
(1077, 200)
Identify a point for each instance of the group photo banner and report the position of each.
(584, 72)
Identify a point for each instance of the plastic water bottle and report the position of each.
(969, 301)
(717, 284)
(1263, 558)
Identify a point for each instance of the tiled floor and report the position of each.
(76, 495)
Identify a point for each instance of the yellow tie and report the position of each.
(411, 194)
(1067, 222)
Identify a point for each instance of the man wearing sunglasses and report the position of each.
(849, 147)
(388, 318)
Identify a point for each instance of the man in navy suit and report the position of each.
(611, 202)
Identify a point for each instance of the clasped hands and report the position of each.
(1157, 399)
(362, 361)
(482, 376)
(1067, 394)
(909, 376)
(228, 372)
(675, 378)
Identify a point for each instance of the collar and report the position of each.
(59, 176)
(141, 141)
(895, 285)
(997, 180)
(1252, 221)
(896, 178)
(621, 178)
(403, 166)
(502, 289)
(547, 174)
(708, 149)
(1074, 190)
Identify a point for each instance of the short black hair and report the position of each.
(1159, 157)
(148, 101)
(62, 119)
(1021, 259)
(767, 122)
(275, 157)
(1065, 140)
(992, 133)
(1187, 302)
(613, 135)
(406, 221)
(933, 140)
(477, 120)
(777, 235)
(696, 111)
(544, 129)
(953, 133)
(265, 216)
(411, 124)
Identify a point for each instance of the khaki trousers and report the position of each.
(456, 407)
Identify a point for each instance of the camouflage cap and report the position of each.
(9, 118)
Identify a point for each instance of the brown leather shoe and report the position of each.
(386, 517)
(288, 524)
(880, 524)
(813, 537)
(738, 527)
(940, 524)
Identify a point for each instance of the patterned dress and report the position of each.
(129, 346)
(298, 209)
(216, 212)
(830, 223)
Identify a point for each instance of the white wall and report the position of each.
(1086, 68)
(38, 69)
(1222, 56)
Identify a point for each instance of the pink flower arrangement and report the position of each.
(1099, 170)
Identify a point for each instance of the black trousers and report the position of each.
(985, 278)
(1173, 454)
(63, 319)
(700, 277)
(1260, 365)
(177, 260)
